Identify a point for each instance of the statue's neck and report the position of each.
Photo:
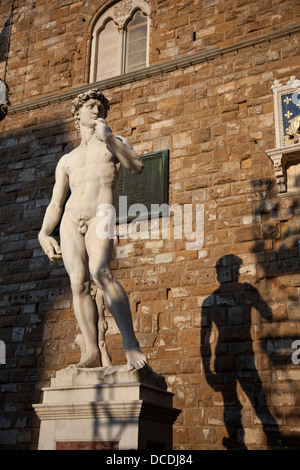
(87, 135)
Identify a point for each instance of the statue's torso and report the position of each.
(92, 172)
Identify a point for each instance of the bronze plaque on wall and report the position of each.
(150, 187)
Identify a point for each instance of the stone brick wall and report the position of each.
(223, 343)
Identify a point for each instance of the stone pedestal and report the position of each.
(106, 408)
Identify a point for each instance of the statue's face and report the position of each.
(90, 112)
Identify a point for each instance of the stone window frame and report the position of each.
(120, 13)
(283, 154)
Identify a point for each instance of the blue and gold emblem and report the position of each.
(291, 117)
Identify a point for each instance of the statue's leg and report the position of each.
(102, 328)
(76, 263)
(116, 300)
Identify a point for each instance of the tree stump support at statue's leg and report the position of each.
(105, 359)
(102, 329)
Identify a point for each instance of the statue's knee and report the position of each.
(79, 288)
(102, 276)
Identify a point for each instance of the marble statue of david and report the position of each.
(91, 173)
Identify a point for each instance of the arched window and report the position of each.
(120, 41)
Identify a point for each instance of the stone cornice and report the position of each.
(283, 150)
(157, 69)
(107, 410)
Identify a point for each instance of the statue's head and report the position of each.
(228, 268)
(82, 98)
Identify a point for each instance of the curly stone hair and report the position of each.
(82, 98)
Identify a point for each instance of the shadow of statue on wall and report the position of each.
(227, 350)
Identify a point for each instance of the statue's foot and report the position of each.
(136, 359)
(88, 360)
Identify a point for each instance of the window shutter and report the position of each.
(136, 43)
(108, 52)
(293, 177)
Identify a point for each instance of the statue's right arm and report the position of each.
(53, 213)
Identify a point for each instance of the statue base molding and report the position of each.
(106, 408)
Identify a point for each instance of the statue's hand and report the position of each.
(102, 130)
(50, 247)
